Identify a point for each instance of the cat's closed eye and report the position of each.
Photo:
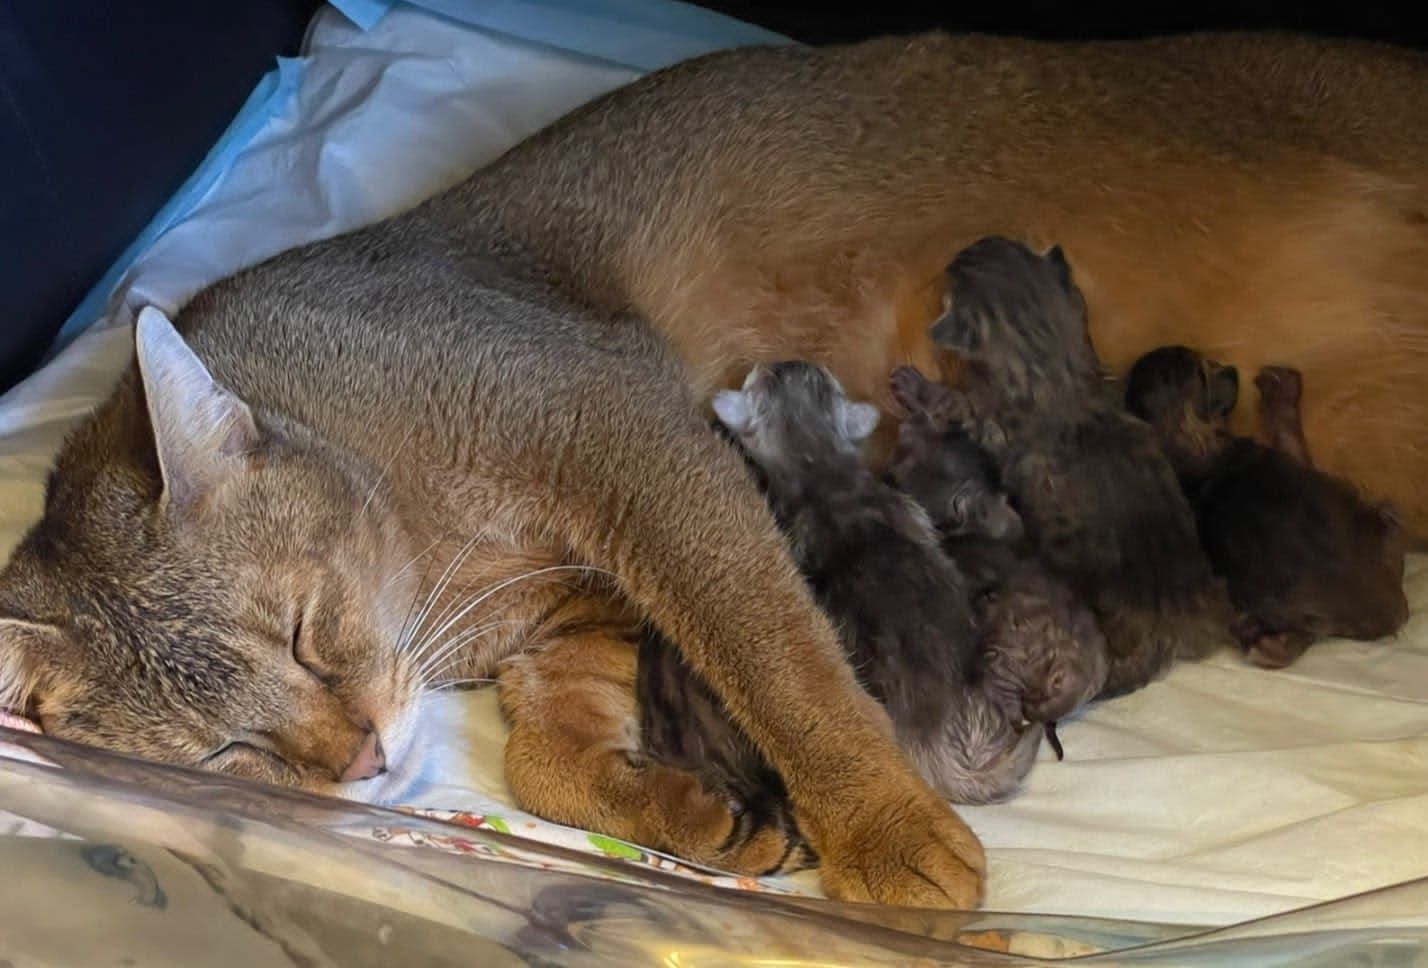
(306, 656)
(237, 750)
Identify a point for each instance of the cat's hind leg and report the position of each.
(573, 757)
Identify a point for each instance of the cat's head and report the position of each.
(792, 414)
(1018, 318)
(221, 590)
(1186, 397)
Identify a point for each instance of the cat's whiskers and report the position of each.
(433, 650)
(407, 638)
(458, 598)
(392, 578)
(402, 633)
(480, 599)
(444, 658)
(454, 684)
(446, 619)
(386, 469)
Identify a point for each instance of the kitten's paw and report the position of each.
(916, 394)
(911, 851)
(1279, 384)
(1276, 651)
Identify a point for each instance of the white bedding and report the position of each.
(1220, 794)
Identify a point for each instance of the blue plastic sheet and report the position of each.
(642, 35)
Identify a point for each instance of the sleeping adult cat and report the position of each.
(278, 529)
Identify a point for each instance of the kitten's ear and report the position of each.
(23, 647)
(999, 519)
(1223, 391)
(734, 410)
(1057, 257)
(200, 428)
(1390, 515)
(857, 421)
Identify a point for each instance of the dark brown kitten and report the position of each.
(1303, 555)
(1102, 506)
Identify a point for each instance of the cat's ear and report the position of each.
(201, 429)
(857, 421)
(24, 646)
(734, 410)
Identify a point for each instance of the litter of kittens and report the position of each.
(1222, 814)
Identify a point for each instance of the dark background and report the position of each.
(816, 23)
(106, 107)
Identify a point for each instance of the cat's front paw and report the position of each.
(909, 849)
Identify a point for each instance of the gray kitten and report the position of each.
(873, 561)
(1101, 504)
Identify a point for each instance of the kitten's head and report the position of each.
(222, 590)
(1186, 398)
(940, 467)
(1019, 319)
(793, 414)
(1043, 647)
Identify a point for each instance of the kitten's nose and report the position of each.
(369, 762)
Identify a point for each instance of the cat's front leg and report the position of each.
(645, 491)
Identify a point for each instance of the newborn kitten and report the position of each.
(1304, 557)
(1043, 655)
(873, 561)
(685, 725)
(1102, 506)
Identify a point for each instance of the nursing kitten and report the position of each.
(1102, 507)
(1304, 556)
(684, 724)
(1043, 654)
(873, 562)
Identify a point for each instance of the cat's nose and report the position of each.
(369, 762)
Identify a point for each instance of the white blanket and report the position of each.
(1222, 793)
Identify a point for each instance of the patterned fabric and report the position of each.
(549, 833)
